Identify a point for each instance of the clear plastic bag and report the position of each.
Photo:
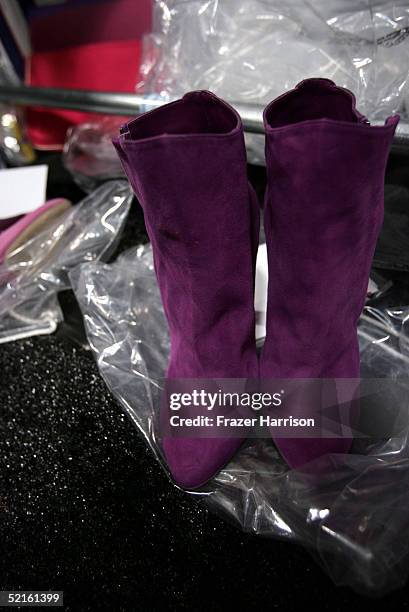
(89, 154)
(353, 517)
(36, 271)
(251, 51)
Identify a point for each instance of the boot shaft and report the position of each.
(186, 162)
(323, 212)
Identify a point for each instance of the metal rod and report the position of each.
(76, 99)
(111, 103)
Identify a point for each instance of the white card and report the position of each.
(22, 190)
(260, 295)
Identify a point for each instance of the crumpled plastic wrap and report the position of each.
(352, 516)
(32, 275)
(89, 154)
(251, 51)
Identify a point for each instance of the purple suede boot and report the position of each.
(186, 162)
(323, 213)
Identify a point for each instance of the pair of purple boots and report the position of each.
(323, 211)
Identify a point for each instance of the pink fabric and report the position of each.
(93, 66)
(71, 25)
(92, 45)
(13, 231)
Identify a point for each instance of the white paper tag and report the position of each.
(22, 190)
(260, 294)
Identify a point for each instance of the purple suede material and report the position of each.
(186, 162)
(323, 213)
